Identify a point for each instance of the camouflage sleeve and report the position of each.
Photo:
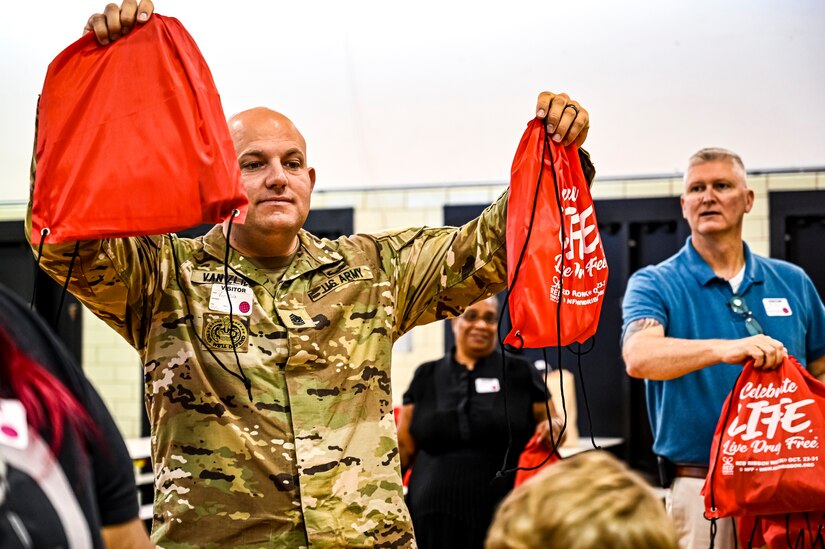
(114, 278)
(437, 272)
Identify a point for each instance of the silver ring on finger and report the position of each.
(574, 107)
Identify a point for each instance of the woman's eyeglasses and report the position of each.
(738, 306)
(487, 318)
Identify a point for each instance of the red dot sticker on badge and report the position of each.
(244, 307)
(9, 431)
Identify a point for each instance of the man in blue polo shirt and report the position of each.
(692, 320)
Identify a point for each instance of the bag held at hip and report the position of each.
(768, 452)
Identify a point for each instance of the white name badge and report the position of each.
(487, 385)
(14, 431)
(240, 296)
(777, 306)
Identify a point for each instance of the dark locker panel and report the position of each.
(18, 274)
(330, 223)
(323, 223)
(798, 231)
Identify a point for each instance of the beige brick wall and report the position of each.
(115, 368)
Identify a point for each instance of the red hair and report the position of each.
(48, 403)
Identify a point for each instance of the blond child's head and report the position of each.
(589, 501)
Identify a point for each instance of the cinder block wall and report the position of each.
(114, 366)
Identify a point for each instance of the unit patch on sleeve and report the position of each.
(344, 277)
(217, 333)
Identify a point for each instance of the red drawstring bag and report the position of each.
(132, 139)
(533, 455)
(768, 453)
(550, 201)
(797, 530)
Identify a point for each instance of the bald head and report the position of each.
(258, 121)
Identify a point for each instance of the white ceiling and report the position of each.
(390, 93)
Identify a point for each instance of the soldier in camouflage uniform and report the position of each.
(292, 443)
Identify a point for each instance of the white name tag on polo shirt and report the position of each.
(14, 431)
(777, 306)
(241, 297)
(487, 385)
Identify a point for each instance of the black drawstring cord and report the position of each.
(190, 319)
(65, 286)
(579, 353)
(753, 532)
(246, 382)
(808, 528)
(546, 149)
(713, 468)
(44, 232)
(555, 443)
(819, 539)
(504, 468)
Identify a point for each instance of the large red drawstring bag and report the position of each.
(550, 211)
(796, 530)
(534, 454)
(768, 452)
(132, 139)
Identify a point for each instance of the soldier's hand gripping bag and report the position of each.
(768, 452)
(132, 139)
(554, 251)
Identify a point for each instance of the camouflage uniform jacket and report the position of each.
(312, 458)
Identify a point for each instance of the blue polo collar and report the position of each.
(702, 272)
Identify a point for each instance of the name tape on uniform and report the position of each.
(344, 277)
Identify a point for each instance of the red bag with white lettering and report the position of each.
(768, 453)
(550, 211)
(132, 140)
(797, 530)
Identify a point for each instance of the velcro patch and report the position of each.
(296, 318)
(344, 277)
(217, 333)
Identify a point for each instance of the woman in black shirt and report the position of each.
(453, 427)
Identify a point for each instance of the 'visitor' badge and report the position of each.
(487, 385)
(240, 296)
(14, 431)
(777, 306)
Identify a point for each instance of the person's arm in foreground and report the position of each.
(547, 427)
(649, 354)
(406, 443)
(128, 535)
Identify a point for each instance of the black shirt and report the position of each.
(460, 432)
(92, 478)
